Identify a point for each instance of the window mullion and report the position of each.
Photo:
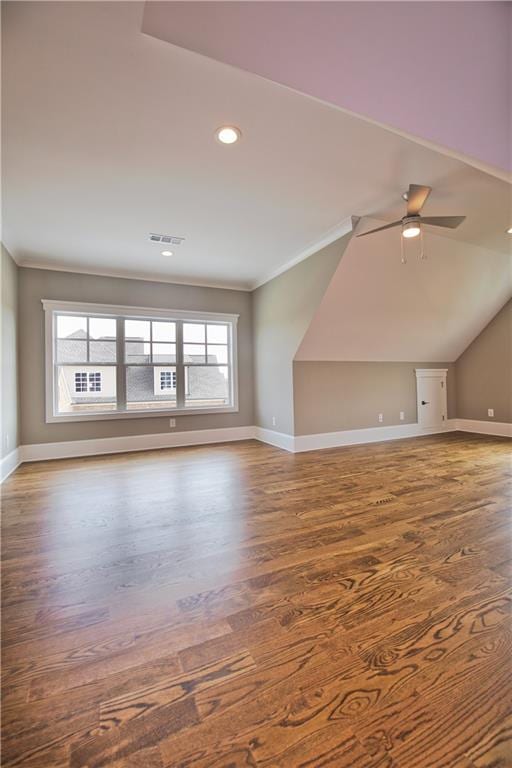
(180, 368)
(207, 385)
(120, 365)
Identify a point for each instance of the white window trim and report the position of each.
(52, 306)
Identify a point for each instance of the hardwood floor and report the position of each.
(234, 605)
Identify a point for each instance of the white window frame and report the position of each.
(92, 381)
(89, 381)
(52, 308)
(82, 379)
(163, 376)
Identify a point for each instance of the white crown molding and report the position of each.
(149, 278)
(339, 230)
(9, 463)
(334, 233)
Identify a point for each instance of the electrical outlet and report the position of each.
(273, 421)
(381, 417)
(402, 415)
(172, 423)
(490, 412)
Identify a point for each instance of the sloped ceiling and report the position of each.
(378, 309)
(403, 64)
(108, 134)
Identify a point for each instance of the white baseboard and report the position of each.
(75, 448)
(278, 439)
(291, 443)
(300, 443)
(496, 428)
(361, 436)
(9, 463)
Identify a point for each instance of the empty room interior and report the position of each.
(256, 384)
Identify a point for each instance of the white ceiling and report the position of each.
(377, 308)
(108, 135)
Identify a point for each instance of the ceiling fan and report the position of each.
(416, 197)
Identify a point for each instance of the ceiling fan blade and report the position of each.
(379, 229)
(416, 198)
(443, 221)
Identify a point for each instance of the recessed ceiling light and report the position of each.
(509, 231)
(166, 253)
(228, 134)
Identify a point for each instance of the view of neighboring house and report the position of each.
(91, 385)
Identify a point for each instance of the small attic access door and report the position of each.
(431, 397)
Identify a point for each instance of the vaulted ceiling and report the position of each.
(438, 71)
(108, 135)
(426, 310)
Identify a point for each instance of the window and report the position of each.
(87, 383)
(167, 380)
(109, 362)
(95, 382)
(80, 382)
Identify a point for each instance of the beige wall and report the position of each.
(37, 284)
(331, 396)
(484, 372)
(9, 355)
(282, 311)
(305, 397)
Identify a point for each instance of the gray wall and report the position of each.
(305, 397)
(37, 284)
(9, 357)
(484, 372)
(332, 396)
(282, 311)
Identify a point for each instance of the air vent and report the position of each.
(167, 239)
(385, 500)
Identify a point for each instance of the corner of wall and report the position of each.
(282, 311)
(483, 372)
(9, 399)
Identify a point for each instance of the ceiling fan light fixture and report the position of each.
(509, 231)
(410, 229)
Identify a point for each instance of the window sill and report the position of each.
(146, 414)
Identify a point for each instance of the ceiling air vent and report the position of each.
(167, 239)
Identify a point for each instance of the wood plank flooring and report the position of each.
(235, 605)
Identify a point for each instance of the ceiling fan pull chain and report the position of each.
(423, 255)
(402, 251)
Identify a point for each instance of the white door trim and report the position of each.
(440, 375)
(431, 373)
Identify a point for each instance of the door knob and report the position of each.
(424, 402)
